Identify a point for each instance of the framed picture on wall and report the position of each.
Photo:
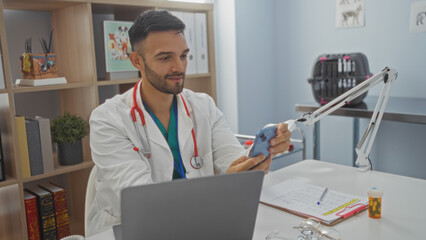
(117, 46)
(418, 17)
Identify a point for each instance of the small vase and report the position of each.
(70, 153)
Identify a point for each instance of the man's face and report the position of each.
(165, 58)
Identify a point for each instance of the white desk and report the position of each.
(403, 204)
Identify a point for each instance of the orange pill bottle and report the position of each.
(375, 195)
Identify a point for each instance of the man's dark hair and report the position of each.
(153, 20)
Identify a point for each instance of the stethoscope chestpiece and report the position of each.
(196, 162)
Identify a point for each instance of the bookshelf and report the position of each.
(77, 59)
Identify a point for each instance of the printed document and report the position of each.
(301, 198)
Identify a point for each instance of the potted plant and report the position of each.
(67, 132)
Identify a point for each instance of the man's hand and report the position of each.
(281, 141)
(245, 163)
(279, 144)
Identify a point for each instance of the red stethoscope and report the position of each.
(195, 161)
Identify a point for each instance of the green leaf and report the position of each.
(68, 128)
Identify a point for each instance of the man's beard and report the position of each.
(160, 83)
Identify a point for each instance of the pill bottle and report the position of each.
(375, 195)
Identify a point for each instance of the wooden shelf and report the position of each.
(74, 43)
(9, 181)
(116, 82)
(184, 6)
(18, 89)
(134, 80)
(76, 225)
(202, 75)
(35, 5)
(61, 170)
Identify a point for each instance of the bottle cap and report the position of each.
(375, 192)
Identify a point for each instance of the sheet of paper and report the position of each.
(302, 198)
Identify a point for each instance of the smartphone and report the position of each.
(261, 142)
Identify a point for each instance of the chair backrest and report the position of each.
(90, 195)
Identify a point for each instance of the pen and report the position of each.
(322, 196)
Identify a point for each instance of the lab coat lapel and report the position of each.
(185, 126)
(154, 132)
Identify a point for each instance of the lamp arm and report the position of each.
(365, 144)
(388, 76)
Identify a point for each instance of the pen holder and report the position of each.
(375, 195)
(38, 66)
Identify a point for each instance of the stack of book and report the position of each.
(34, 145)
(46, 212)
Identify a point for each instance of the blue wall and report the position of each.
(277, 42)
(256, 70)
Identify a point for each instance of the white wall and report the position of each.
(226, 69)
(256, 67)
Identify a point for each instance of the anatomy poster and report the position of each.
(418, 17)
(349, 13)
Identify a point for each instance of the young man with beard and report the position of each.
(158, 130)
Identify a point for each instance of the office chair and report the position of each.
(90, 195)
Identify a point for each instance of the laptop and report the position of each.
(215, 207)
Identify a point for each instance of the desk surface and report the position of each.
(400, 109)
(403, 209)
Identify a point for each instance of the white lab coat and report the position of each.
(113, 137)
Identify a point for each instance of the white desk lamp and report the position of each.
(388, 75)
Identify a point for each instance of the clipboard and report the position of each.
(300, 199)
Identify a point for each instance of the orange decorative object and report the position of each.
(38, 66)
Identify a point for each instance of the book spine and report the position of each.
(2, 85)
(34, 147)
(61, 211)
(33, 224)
(46, 144)
(47, 217)
(22, 146)
(2, 171)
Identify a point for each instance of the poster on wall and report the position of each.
(418, 17)
(349, 13)
(117, 46)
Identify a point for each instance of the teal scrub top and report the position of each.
(171, 136)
